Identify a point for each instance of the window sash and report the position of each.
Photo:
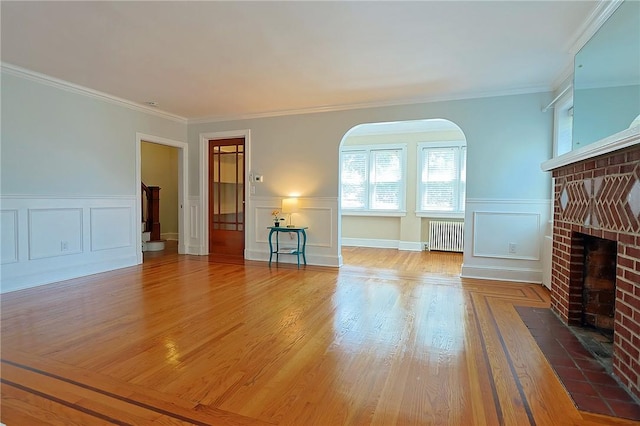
(353, 178)
(373, 178)
(442, 177)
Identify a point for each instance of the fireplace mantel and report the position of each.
(621, 140)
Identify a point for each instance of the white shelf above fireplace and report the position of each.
(621, 140)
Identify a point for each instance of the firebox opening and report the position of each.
(599, 283)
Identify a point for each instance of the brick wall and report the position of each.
(601, 197)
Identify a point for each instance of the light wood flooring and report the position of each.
(392, 338)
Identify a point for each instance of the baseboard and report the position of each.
(43, 277)
(195, 250)
(521, 275)
(170, 236)
(410, 246)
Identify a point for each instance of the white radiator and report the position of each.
(446, 236)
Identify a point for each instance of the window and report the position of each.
(442, 169)
(373, 179)
(563, 125)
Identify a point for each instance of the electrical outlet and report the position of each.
(64, 246)
(512, 248)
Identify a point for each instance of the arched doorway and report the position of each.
(397, 179)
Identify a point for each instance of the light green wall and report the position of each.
(411, 139)
(57, 142)
(508, 137)
(159, 167)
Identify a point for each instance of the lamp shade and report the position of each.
(289, 205)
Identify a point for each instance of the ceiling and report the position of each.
(215, 60)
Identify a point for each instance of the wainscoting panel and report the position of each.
(319, 214)
(322, 220)
(49, 239)
(110, 228)
(9, 235)
(193, 243)
(507, 235)
(503, 239)
(54, 232)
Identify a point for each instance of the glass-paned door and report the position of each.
(226, 197)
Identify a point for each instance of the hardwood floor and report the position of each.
(396, 339)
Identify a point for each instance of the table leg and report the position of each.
(304, 246)
(270, 247)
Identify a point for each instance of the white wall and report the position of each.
(508, 137)
(68, 180)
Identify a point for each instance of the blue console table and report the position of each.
(298, 251)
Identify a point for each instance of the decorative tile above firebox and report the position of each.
(609, 202)
(633, 199)
(575, 202)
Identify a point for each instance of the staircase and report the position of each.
(151, 240)
(148, 244)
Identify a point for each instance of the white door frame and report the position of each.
(183, 168)
(204, 183)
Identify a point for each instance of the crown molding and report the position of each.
(368, 105)
(85, 91)
(603, 10)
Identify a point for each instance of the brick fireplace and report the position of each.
(598, 195)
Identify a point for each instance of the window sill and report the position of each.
(441, 215)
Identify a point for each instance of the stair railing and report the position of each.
(151, 210)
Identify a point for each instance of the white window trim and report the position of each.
(402, 211)
(437, 214)
(562, 106)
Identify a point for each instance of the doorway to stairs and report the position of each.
(160, 207)
(175, 202)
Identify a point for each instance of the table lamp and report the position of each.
(289, 206)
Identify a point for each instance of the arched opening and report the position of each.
(399, 182)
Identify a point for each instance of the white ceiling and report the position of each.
(204, 59)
